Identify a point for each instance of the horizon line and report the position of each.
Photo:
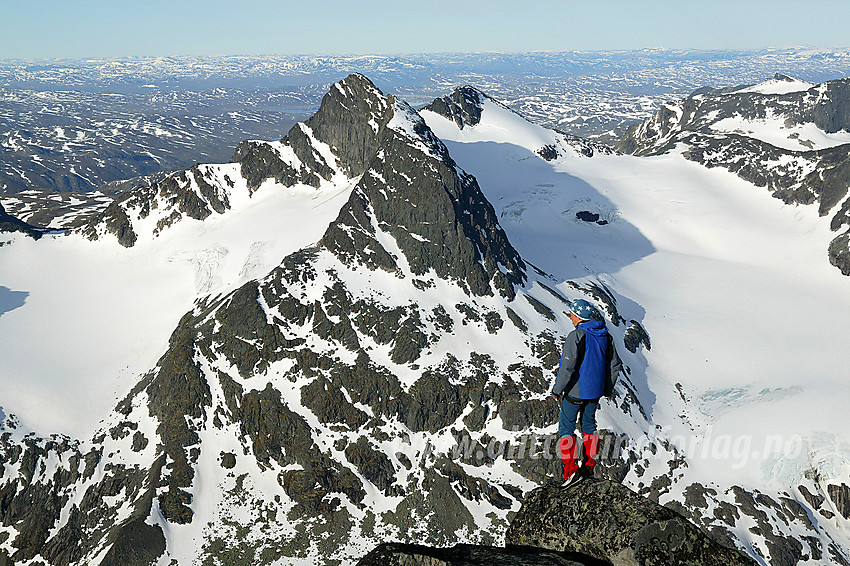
(421, 53)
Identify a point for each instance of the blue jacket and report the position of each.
(589, 363)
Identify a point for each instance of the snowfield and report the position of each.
(97, 315)
(774, 130)
(778, 86)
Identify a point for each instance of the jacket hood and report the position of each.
(594, 328)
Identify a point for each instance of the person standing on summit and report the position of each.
(588, 370)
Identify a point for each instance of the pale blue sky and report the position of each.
(114, 28)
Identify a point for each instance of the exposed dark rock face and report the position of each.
(9, 223)
(587, 216)
(814, 499)
(636, 336)
(396, 554)
(463, 106)
(771, 517)
(796, 176)
(349, 121)
(831, 109)
(548, 152)
(260, 161)
(177, 392)
(374, 465)
(782, 550)
(516, 319)
(113, 220)
(327, 401)
(840, 496)
(839, 252)
(537, 412)
(137, 543)
(33, 502)
(608, 521)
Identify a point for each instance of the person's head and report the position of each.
(581, 311)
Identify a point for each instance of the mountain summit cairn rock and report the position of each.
(609, 522)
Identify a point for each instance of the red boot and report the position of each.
(568, 447)
(591, 445)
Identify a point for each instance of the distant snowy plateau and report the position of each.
(76, 125)
(346, 334)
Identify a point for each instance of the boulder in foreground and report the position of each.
(609, 522)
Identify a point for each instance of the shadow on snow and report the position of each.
(11, 300)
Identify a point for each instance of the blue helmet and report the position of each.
(583, 309)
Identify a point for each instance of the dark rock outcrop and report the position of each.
(636, 336)
(33, 502)
(372, 464)
(608, 521)
(349, 121)
(839, 252)
(193, 193)
(9, 223)
(595, 522)
(463, 106)
(840, 496)
(137, 543)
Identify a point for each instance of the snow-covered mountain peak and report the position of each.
(328, 150)
(779, 84)
(481, 117)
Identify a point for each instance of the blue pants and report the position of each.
(570, 413)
